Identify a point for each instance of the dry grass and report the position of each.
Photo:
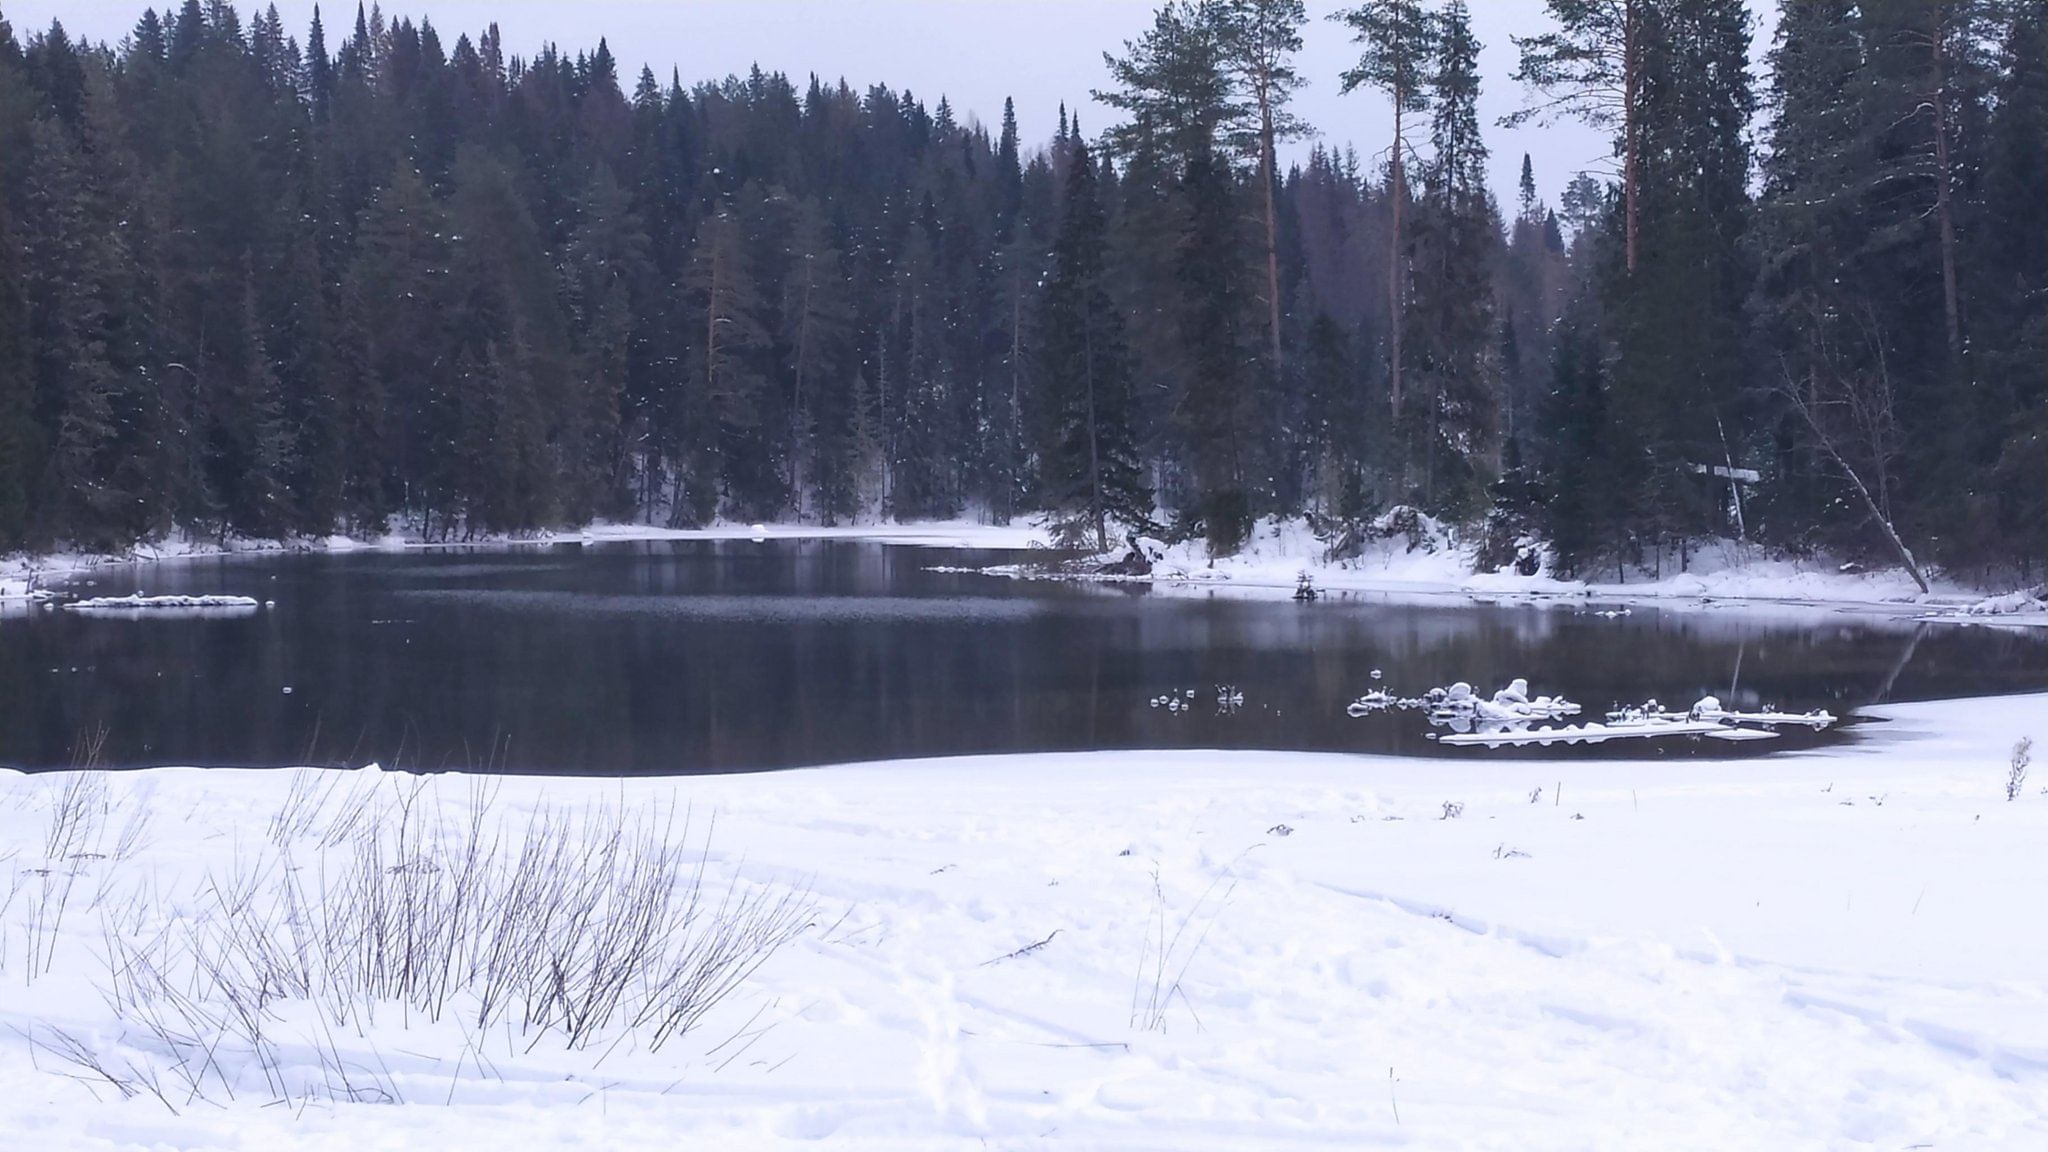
(371, 903)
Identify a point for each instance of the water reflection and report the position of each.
(727, 655)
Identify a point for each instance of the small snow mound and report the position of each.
(2033, 599)
(141, 602)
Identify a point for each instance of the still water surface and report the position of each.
(736, 655)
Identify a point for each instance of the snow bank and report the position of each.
(1129, 950)
(1413, 555)
(2028, 608)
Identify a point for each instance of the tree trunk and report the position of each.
(796, 426)
(1876, 507)
(1631, 126)
(711, 330)
(1394, 293)
(1094, 452)
(1016, 461)
(1944, 212)
(1266, 176)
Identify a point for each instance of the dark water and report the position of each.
(695, 657)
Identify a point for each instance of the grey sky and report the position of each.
(974, 51)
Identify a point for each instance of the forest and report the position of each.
(359, 277)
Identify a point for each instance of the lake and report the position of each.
(702, 656)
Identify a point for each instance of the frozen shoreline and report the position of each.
(19, 573)
(1722, 576)
(1277, 554)
(1801, 951)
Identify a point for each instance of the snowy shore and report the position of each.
(1436, 565)
(20, 573)
(1832, 949)
(1271, 562)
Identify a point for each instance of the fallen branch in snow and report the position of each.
(1867, 401)
(1026, 950)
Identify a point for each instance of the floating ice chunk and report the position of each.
(140, 602)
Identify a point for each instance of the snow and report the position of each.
(2027, 608)
(21, 573)
(141, 603)
(1438, 563)
(1825, 949)
(1279, 553)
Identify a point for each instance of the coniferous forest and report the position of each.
(369, 274)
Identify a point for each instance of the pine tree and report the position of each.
(1591, 69)
(1397, 41)
(1260, 38)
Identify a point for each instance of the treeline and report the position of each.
(253, 283)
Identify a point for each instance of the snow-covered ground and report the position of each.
(1436, 564)
(1837, 949)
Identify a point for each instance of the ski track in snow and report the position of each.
(1708, 955)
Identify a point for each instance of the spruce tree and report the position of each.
(1091, 471)
(817, 333)
(727, 383)
(1452, 318)
(1677, 317)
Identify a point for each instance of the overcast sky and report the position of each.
(974, 51)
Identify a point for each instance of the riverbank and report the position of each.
(1432, 562)
(20, 573)
(1107, 950)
